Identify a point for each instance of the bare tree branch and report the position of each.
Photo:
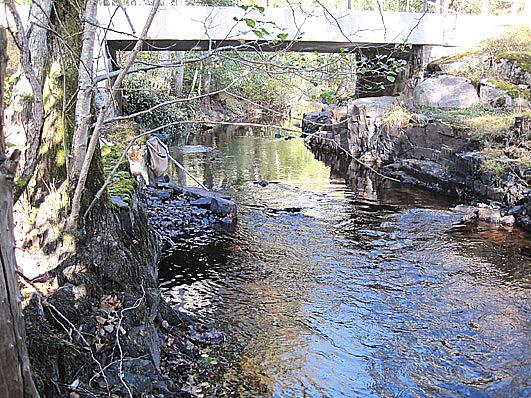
(34, 133)
(76, 200)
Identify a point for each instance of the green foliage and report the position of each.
(260, 85)
(142, 91)
(495, 167)
(513, 90)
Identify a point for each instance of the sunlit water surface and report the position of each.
(355, 295)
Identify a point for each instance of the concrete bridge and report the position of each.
(204, 28)
(181, 28)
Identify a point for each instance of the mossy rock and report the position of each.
(123, 184)
(122, 132)
(462, 64)
(513, 90)
(520, 59)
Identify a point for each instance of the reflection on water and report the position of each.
(367, 291)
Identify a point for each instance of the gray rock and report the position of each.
(525, 223)
(223, 207)
(205, 202)
(489, 214)
(494, 96)
(374, 107)
(163, 195)
(445, 92)
(313, 121)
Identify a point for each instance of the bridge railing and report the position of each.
(485, 7)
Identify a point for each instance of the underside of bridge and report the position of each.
(254, 45)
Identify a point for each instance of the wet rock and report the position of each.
(468, 213)
(519, 209)
(262, 183)
(163, 195)
(313, 121)
(492, 215)
(223, 207)
(202, 202)
(484, 213)
(445, 92)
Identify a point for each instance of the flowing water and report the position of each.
(323, 289)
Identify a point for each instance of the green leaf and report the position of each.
(250, 22)
(260, 8)
(282, 36)
(244, 7)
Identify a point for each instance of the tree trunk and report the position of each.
(179, 74)
(15, 374)
(84, 96)
(206, 78)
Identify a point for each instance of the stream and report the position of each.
(326, 289)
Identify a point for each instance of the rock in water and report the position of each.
(445, 92)
(313, 121)
(223, 207)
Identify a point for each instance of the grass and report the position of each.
(396, 116)
(483, 122)
(494, 167)
(513, 90)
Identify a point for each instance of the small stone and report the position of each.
(163, 195)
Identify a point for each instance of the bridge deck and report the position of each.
(203, 27)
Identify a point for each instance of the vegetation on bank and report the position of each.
(486, 123)
(501, 62)
(482, 61)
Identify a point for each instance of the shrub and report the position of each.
(143, 91)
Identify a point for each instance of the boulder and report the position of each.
(374, 107)
(313, 121)
(494, 96)
(445, 92)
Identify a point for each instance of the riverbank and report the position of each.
(464, 130)
(423, 151)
